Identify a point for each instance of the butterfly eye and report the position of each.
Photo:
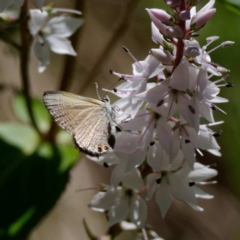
(105, 148)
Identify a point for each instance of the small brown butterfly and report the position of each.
(87, 119)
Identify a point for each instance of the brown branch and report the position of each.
(69, 66)
(24, 61)
(110, 45)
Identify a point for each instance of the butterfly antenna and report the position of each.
(86, 189)
(97, 91)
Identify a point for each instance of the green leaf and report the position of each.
(232, 5)
(20, 136)
(30, 186)
(40, 112)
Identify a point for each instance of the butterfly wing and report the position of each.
(86, 119)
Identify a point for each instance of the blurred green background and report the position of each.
(221, 218)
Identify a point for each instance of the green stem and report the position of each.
(24, 61)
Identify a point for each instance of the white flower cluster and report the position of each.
(158, 132)
(48, 34)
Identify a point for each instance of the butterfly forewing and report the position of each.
(88, 120)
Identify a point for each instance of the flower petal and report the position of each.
(64, 26)
(60, 45)
(138, 211)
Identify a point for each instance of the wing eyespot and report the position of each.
(99, 149)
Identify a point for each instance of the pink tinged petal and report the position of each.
(162, 56)
(119, 212)
(206, 140)
(188, 109)
(126, 142)
(188, 152)
(163, 197)
(181, 190)
(64, 26)
(157, 37)
(177, 162)
(206, 112)
(175, 145)
(118, 174)
(162, 15)
(164, 134)
(60, 45)
(42, 53)
(202, 81)
(154, 94)
(215, 152)
(208, 6)
(162, 27)
(136, 104)
(138, 211)
(155, 156)
(103, 201)
(202, 18)
(136, 159)
(180, 77)
(151, 183)
(133, 180)
(37, 20)
(138, 122)
(199, 193)
(219, 100)
(201, 173)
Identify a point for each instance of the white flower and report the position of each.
(178, 180)
(51, 35)
(122, 202)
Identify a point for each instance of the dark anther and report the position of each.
(158, 181)
(125, 49)
(152, 143)
(191, 108)
(99, 149)
(217, 134)
(118, 129)
(187, 141)
(191, 184)
(105, 165)
(160, 103)
(111, 71)
(115, 90)
(228, 85)
(213, 107)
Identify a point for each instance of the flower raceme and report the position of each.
(159, 129)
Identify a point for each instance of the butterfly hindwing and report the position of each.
(86, 119)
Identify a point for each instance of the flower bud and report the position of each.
(162, 56)
(191, 52)
(173, 3)
(175, 32)
(162, 15)
(185, 15)
(201, 19)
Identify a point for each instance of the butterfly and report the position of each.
(87, 119)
